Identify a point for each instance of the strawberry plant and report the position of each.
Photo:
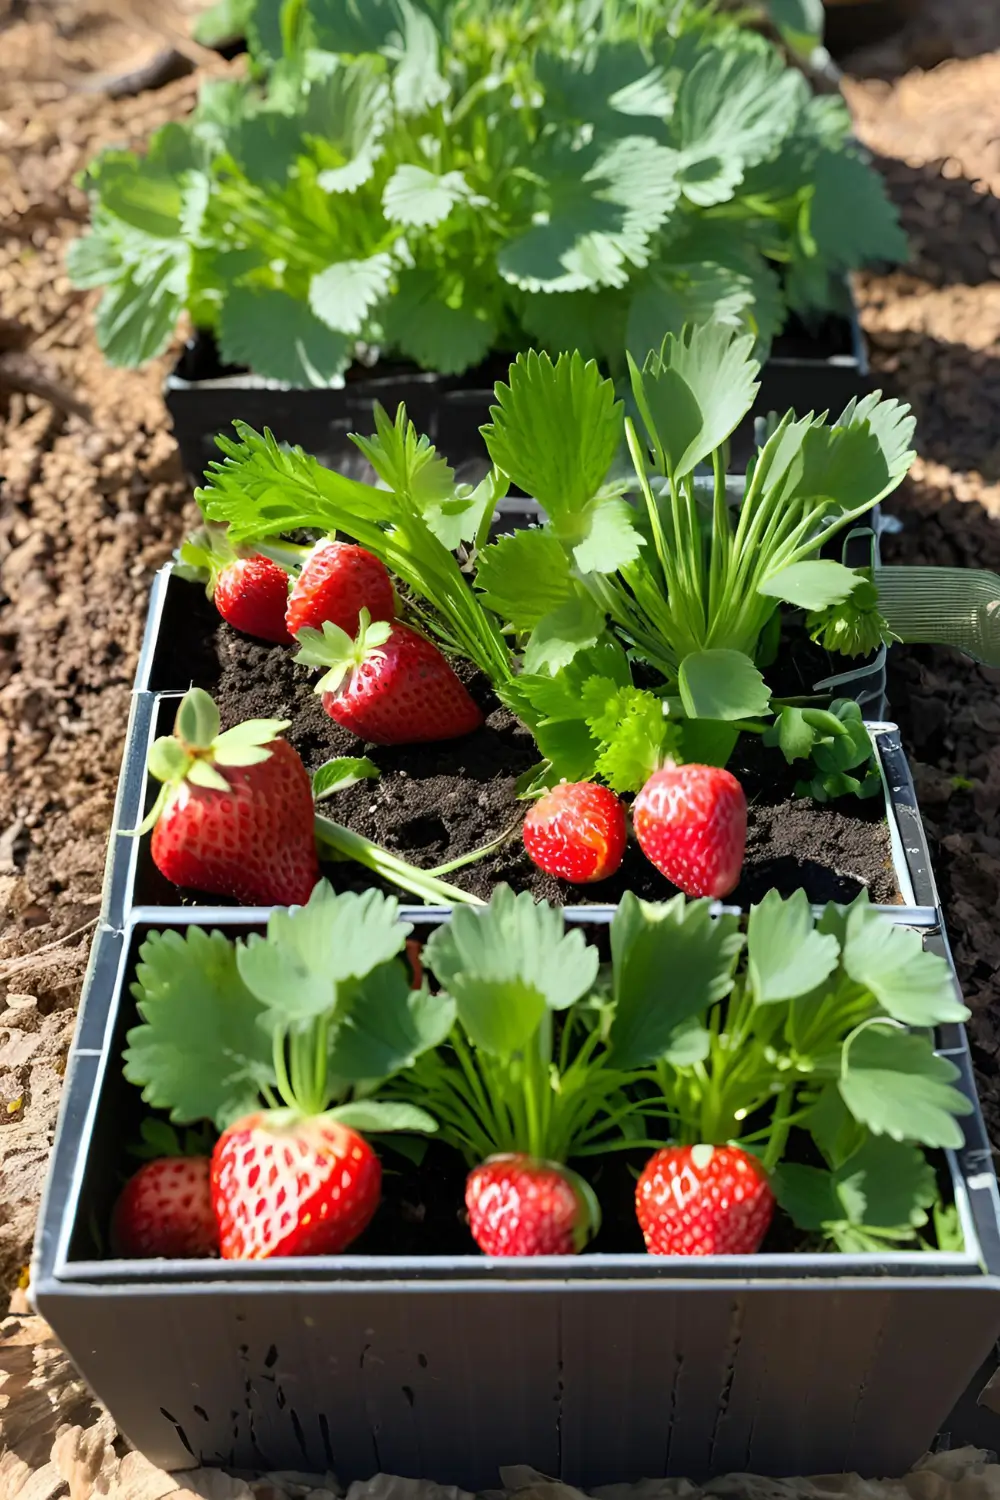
(818, 1039)
(631, 631)
(436, 182)
(523, 1082)
(280, 1041)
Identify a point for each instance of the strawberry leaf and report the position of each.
(506, 965)
(524, 577)
(892, 1082)
(415, 196)
(279, 337)
(721, 684)
(344, 294)
(388, 1026)
(555, 430)
(811, 585)
(633, 730)
(786, 956)
(300, 971)
(693, 393)
(679, 938)
(575, 626)
(912, 985)
(337, 775)
(377, 1115)
(200, 1052)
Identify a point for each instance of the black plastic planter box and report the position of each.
(594, 1369)
(806, 373)
(599, 1368)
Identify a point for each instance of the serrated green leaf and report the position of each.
(344, 294)
(852, 218)
(351, 25)
(137, 316)
(524, 577)
(592, 322)
(893, 1083)
(886, 1185)
(448, 330)
(200, 1052)
(603, 537)
(633, 732)
(693, 393)
(807, 1194)
(309, 953)
(338, 774)
(556, 639)
(415, 196)
(912, 985)
(378, 1115)
(93, 260)
(721, 684)
(599, 218)
(277, 336)
(733, 108)
(417, 83)
(786, 956)
(555, 430)
(811, 585)
(388, 1026)
(509, 964)
(347, 114)
(678, 938)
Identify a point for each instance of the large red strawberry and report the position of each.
(691, 822)
(339, 580)
(303, 1186)
(577, 831)
(250, 592)
(518, 1205)
(234, 816)
(703, 1200)
(166, 1209)
(389, 685)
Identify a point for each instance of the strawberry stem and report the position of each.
(422, 883)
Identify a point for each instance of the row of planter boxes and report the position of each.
(606, 1367)
(810, 372)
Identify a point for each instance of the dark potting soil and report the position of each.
(433, 803)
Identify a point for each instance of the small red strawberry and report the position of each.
(339, 580)
(390, 685)
(577, 831)
(234, 816)
(166, 1209)
(518, 1205)
(691, 822)
(250, 592)
(296, 1185)
(703, 1200)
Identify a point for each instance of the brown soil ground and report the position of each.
(93, 501)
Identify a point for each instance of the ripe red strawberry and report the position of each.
(338, 581)
(251, 594)
(305, 1186)
(234, 816)
(389, 685)
(520, 1206)
(691, 822)
(577, 831)
(703, 1200)
(166, 1209)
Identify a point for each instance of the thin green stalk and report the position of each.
(475, 854)
(418, 882)
(281, 1069)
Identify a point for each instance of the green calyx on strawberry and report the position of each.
(277, 1039)
(390, 685)
(248, 587)
(334, 649)
(198, 748)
